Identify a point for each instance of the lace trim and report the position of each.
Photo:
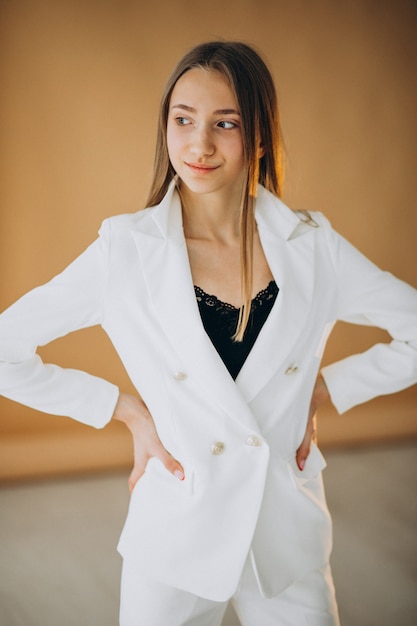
(262, 297)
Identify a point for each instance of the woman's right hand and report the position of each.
(134, 413)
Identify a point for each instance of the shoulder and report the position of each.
(148, 220)
(124, 222)
(272, 213)
(127, 220)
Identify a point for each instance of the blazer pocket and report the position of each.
(315, 464)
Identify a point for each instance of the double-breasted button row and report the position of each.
(218, 447)
(179, 375)
(292, 369)
(254, 440)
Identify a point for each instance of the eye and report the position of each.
(227, 124)
(182, 121)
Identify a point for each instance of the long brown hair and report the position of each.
(254, 90)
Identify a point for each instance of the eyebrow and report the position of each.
(216, 112)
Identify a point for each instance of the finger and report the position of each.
(171, 464)
(303, 452)
(304, 449)
(314, 428)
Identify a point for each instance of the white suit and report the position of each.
(236, 440)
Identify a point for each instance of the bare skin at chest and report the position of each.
(215, 267)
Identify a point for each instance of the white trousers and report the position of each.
(309, 602)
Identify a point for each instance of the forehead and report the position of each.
(203, 87)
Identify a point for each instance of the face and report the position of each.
(204, 134)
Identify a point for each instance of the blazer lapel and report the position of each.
(163, 254)
(288, 243)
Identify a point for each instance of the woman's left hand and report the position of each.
(320, 395)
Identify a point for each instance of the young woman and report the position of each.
(219, 300)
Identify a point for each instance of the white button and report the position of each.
(217, 447)
(253, 440)
(291, 370)
(179, 376)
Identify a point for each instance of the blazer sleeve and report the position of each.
(72, 300)
(370, 296)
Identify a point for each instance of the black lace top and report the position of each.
(220, 322)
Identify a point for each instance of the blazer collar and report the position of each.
(163, 221)
(166, 218)
(273, 215)
(162, 250)
(288, 243)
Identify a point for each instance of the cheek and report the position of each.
(173, 144)
(234, 146)
(170, 140)
(237, 152)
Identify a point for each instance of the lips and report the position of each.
(201, 168)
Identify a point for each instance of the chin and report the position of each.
(198, 186)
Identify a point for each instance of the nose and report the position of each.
(202, 144)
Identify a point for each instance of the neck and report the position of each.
(211, 216)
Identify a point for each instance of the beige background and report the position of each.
(81, 81)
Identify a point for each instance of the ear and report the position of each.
(261, 151)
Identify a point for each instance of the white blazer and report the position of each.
(236, 439)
